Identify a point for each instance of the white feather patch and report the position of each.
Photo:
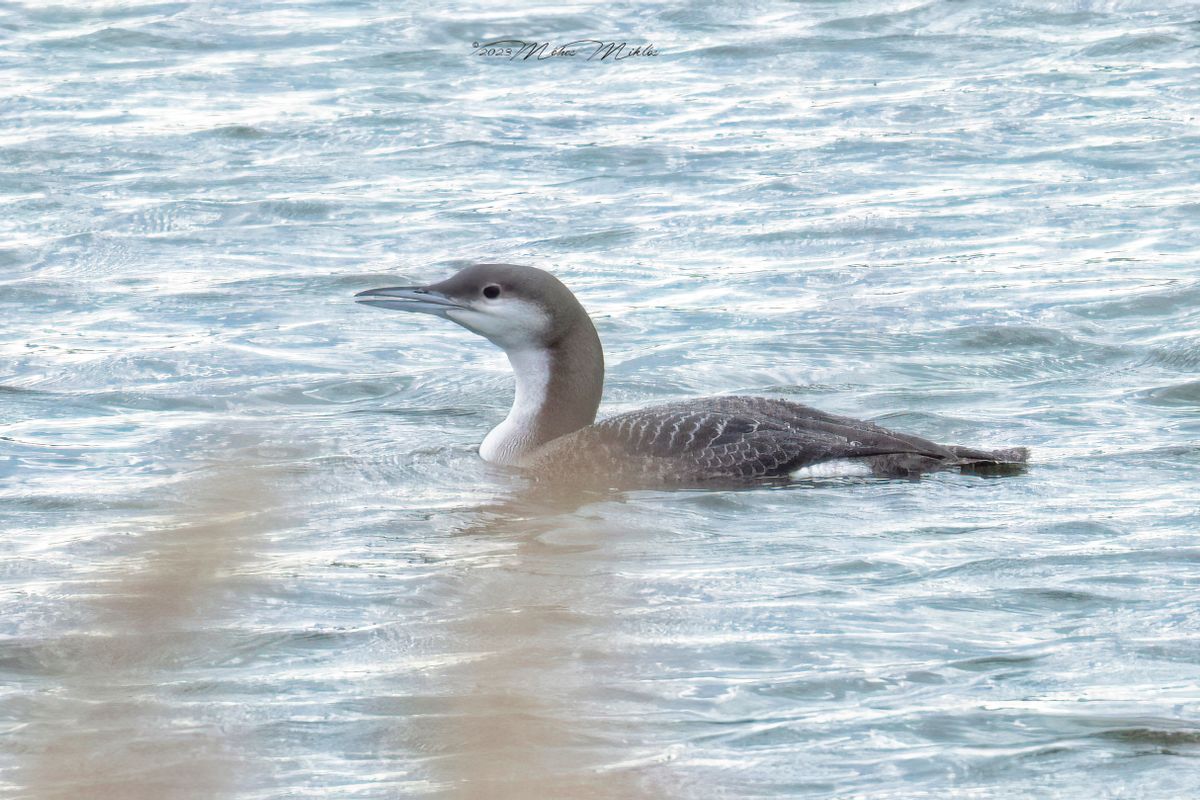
(838, 468)
(504, 443)
(511, 324)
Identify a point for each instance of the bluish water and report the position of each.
(249, 550)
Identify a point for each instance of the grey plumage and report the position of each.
(737, 439)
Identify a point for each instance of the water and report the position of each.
(249, 551)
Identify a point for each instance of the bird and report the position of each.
(552, 435)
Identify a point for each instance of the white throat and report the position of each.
(513, 438)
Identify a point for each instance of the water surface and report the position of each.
(249, 550)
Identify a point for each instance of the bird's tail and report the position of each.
(1008, 461)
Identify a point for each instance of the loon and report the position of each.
(552, 432)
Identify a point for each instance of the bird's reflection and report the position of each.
(525, 711)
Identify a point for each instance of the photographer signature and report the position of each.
(589, 49)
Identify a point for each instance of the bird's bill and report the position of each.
(421, 299)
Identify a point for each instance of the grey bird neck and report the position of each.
(559, 384)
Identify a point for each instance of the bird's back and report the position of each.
(734, 439)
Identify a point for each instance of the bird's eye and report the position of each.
(491, 292)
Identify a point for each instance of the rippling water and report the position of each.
(249, 550)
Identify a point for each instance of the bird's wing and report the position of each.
(728, 439)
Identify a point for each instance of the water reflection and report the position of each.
(114, 727)
(535, 651)
(512, 706)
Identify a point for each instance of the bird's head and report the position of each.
(515, 307)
